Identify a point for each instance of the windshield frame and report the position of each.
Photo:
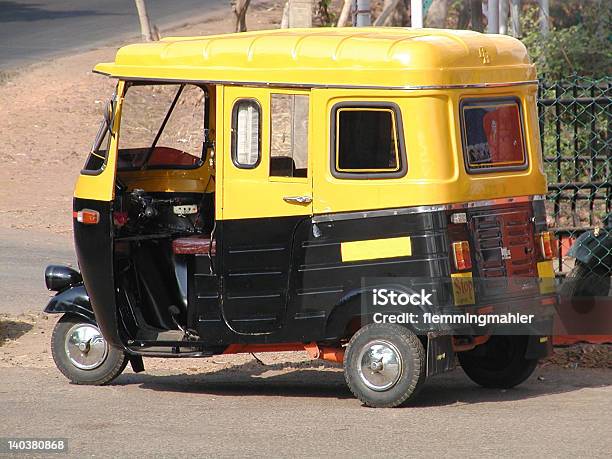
(105, 133)
(206, 144)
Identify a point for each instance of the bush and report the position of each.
(579, 41)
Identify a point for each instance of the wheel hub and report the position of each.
(380, 365)
(85, 346)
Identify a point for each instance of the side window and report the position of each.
(246, 134)
(289, 135)
(367, 141)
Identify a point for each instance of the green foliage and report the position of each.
(578, 43)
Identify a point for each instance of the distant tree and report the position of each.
(240, 7)
(578, 41)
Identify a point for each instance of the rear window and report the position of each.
(493, 135)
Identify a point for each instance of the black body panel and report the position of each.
(94, 248)
(280, 280)
(283, 279)
(255, 266)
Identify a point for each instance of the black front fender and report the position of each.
(73, 300)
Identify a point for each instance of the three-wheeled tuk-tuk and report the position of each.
(262, 191)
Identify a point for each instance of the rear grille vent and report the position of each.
(504, 248)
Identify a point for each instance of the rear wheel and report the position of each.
(384, 365)
(499, 363)
(82, 354)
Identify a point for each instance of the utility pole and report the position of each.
(363, 15)
(416, 13)
(493, 16)
(299, 13)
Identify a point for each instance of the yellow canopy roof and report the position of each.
(345, 57)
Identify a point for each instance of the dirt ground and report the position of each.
(289, 406)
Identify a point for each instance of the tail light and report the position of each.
(461, 255)
(87, 216)
(547, 245)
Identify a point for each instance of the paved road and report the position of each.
(35, 29)
(307, 413)
(24, 254)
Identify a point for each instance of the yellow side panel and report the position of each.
(546, 273)
(436, 172)
(463, 288)
(376, 248)
(253, 193)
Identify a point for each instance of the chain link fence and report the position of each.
(575, 121)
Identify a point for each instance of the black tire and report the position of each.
(500, 363)
(583, 285)
(111, 364)
(411, 373)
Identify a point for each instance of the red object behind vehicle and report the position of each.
(503, 129)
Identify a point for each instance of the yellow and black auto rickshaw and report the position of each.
(264, 191)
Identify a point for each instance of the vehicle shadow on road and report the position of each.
(294, 379)
(11, 330)
(313, 379)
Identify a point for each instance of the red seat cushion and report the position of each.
(199, 244)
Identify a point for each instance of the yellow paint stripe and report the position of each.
(376, 248)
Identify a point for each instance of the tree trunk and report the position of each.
(544, 16)
(240, 7)
(436, 16)
(345, 14)
(515, 14)
(476, 15)
(386, 15)
(285, 16)
(464, 16)
(503, 16)
(143, 17)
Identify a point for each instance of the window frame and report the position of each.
(492, 101)
(233, 133)
(284, 178)
(398, 125)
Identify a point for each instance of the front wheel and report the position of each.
(384, 365)
(82, 354)
(500, 363)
